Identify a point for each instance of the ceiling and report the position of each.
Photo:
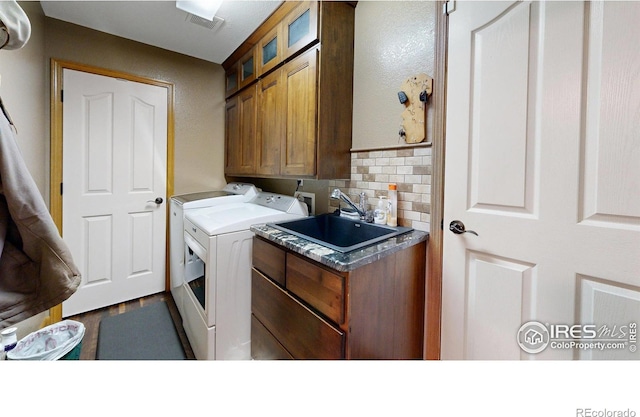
(161, 24)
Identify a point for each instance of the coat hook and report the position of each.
(402, 96)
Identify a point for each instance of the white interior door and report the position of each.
(542, 161)
(114, 169)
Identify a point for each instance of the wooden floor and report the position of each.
(91, 321)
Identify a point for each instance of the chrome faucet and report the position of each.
(339, 195)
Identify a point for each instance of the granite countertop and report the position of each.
(339, 261)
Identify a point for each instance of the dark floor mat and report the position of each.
(147, 333)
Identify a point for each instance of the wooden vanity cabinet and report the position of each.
(314, 312)
(304, 68)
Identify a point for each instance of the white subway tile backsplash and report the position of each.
(410, 215)
(389, 169)
(413, 179)
(422, 151)
(414, 160)
(396, 179)
(405, 170)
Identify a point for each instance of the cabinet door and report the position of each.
(241, 115)
(231, 136)
(300, 27)
(299, 149)
(247, 69)
(269, 50)
(231, 81)
(271, 123)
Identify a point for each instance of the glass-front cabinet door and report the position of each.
(247, 69)
(269, 50)
(231, 81)
(300, 27)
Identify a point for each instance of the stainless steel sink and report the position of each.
(338, 233)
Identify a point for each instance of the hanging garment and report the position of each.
(37, 271)
(15, 27)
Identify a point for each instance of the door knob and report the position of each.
(458, 228)
(158, 200)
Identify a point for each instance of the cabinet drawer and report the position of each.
(303, 334)
(269, 259)
(321, 288)
(263, 344)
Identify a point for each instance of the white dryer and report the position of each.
(219, 244)
(234, 192)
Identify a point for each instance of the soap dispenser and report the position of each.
(380, 214)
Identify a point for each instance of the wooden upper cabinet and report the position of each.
(269, 51)
(302, 59)
(300, 96)
(240, 132)
(300, 27)
(231, 81)
(271, 123)
(247, 69)
(241, 74)
(297, 30)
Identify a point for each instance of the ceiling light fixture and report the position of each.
(206, 9)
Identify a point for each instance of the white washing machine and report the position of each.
(234, 192)
(218, 244)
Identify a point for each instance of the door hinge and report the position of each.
(60, 188)
(449, 7)
(62, 96)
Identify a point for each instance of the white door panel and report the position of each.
(114, 167)
(542, 158)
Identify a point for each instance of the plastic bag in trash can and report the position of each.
(49, 343)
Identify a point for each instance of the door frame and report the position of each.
(57, 68)
(433, 287)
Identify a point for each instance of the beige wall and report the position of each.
(394, 40)
(199, 98)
